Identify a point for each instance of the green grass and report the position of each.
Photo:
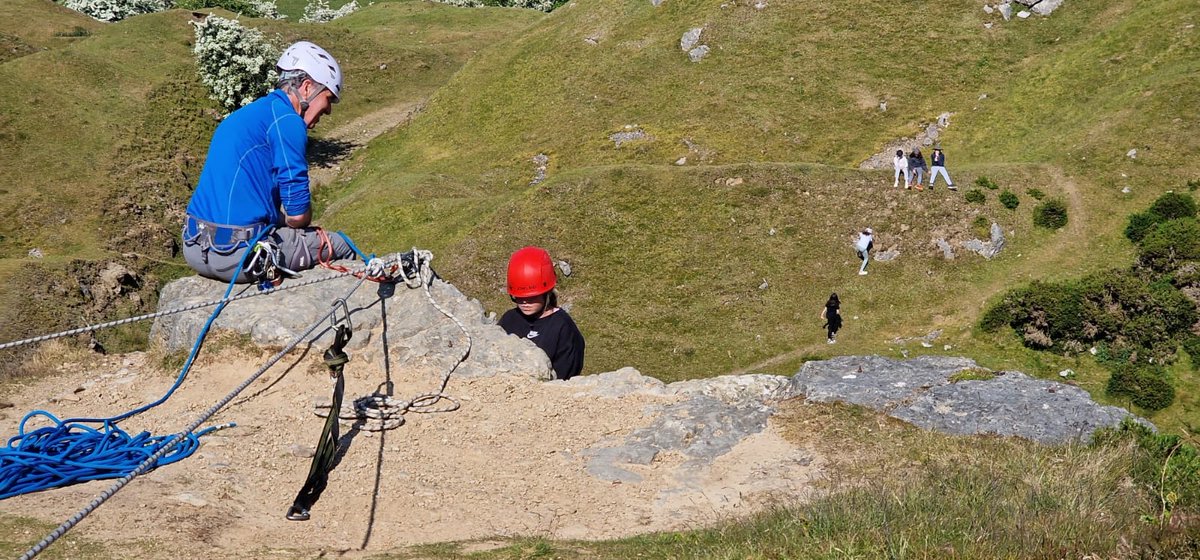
(900, 492)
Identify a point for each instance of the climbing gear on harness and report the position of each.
(264, 266)
(530, 272)
(323, 459)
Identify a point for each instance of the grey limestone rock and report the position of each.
(919, 391)
(988, 249)
(391, 319)
(1005, 10)
(698, 53)
(947, 250)
(690, 39)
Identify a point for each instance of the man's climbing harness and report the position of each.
(323, 460)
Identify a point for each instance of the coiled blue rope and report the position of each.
(70, 451)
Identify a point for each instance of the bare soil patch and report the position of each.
(509, 462)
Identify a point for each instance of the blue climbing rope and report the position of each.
(70, 451)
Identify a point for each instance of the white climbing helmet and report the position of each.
(317, 63)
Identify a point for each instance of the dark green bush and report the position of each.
(1170, 244)
(1173, 206)
(1051, 214)
(1009, 199)
(1120, 311)
(1139, 224)
(983, 182)
(1191, 345)
(1035, 193)
(975, 196)
(1148, 387)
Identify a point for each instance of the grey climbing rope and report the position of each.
(151, 460)
(378, 412)
(158, 314)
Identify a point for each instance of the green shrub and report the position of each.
(1035, 193)
(982, 227)
(1170, 244)
(983, 182)
(1121, 312)
(1139, 224)
(1051, 214)
(75, 31)
(1009, 199)
(1193, 184)
(1173, 206)
(1148, 387)
(1191, 345)
(975, 196)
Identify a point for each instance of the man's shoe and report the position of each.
(952, 187)
(862, 273)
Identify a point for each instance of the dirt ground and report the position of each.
(507, 463)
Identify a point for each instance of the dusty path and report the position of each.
(508, 463)
(354, 135)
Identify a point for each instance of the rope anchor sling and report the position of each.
(326, 453)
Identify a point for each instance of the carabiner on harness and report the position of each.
(265, 266)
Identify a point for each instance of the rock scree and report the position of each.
(596, 457)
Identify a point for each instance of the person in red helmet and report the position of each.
(537, 316)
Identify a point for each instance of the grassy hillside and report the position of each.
(105, 132)
(669, 263)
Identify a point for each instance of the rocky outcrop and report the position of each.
(991, 248)
(927, 136)
(923, 391)
(394, 319)
(708, 417)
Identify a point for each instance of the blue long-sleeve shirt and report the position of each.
(256, 165)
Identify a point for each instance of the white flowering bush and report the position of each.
(249, 8)
(541, 5)
(236, 63)
(116, 10)
(318, 11)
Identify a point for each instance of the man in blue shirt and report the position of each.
(255, 178)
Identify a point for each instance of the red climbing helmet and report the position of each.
(530, 272)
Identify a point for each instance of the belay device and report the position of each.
(318, 474)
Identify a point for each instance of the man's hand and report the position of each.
(301, 221)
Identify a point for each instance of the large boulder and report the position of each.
(391, 318)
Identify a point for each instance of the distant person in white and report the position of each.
(866, 242)
(900, 163)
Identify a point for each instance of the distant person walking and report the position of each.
(901, 164)
(832, 316)
(863, 246)
(938, 159)
(916, 166)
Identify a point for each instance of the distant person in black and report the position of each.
(537, 316)
(832, 316)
